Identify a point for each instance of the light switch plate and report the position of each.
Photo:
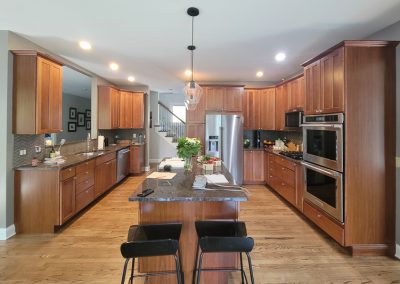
(38, 149)
(22, 152)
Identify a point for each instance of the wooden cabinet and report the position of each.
(253, 167)
(126, 110)
(251, 109)
(197, 115)
(67, 199)
(138, 110)
(196, 130)
(295, 94)
(105, 175)
(280, 107)
(136, 159)
(214, 98)
(108, 107)
(324, 84)
(267, 112)
(37, 94)
(233, 99)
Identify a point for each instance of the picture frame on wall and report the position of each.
(88, 113)
(71, 126)
(88, 124)
(72, 112)
(81, 119)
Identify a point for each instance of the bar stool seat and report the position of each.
(152, 240)
(223, 237)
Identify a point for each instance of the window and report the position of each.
(179, 111)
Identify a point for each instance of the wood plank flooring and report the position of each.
(288, 248)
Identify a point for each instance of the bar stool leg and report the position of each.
(241, 267)
(180, 266)
(178, 271)
(250, 267)
(132, 270)
(195, 264)
(124, 271)
(199, 269)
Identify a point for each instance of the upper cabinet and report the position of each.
(214, 98)
(267, 106)
(37, 94)
(232, 99)
(120, 109)
(197, 115)
(324, 84)
(251, 109)
(295, 93)
(280, 106)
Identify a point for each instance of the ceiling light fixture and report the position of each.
(259, 74)
(188, 73)
(85, 45)
(114, 66)
(192, 90)
(131, 79)
(280, 56)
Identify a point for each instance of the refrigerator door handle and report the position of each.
(221, 132)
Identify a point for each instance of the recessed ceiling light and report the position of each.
(188, 72)
(280, 56)
(85, 45)
(114, 66)
(131, 79)
(259, 74)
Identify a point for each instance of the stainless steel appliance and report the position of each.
(224, 139)
(293, 120)
(323, 140)
(122, 164)
(324, 188)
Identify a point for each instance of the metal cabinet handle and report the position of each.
(70, 169)
(74, 177)
(86, 172)
(319, 215)
(283, 184)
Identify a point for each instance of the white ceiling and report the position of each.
(76, 83)
(235, 38)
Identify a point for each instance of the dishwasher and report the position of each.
(123, 157)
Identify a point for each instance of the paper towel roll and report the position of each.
(100, 142)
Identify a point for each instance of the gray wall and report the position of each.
(81, 104)
(393, 33)
(172, 99)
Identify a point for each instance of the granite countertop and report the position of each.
(276, 152)
(254, 149)
(180, 188)
(73, 160)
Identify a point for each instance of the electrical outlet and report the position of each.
(38, 149)
(22, 152)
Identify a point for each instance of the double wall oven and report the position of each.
(323, 161)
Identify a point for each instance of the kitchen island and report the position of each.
(176, 201)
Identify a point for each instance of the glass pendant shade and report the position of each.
(193, 93)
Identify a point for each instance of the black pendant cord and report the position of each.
(192, 45)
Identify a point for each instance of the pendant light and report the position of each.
(193, 91)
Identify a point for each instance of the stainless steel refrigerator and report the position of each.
(224, 139)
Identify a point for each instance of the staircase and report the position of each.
(170, 126)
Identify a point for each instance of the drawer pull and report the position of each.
(283, 184)
(283, 169)
(87, 181)
(319, 215)
(70, 169)
(86, 172)
(86, 163)
(74, 177)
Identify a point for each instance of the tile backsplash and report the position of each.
(293, 136)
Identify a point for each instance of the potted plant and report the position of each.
(186, 149)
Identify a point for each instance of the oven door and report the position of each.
(324, 188)
(323, 145)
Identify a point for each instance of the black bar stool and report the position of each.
(220, 237)
(152, 240)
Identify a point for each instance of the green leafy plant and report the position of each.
(188, 147)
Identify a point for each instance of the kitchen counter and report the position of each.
(276, 152)
(253, 149)
(73, 160)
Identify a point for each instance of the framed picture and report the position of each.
(88, 113)
(72, 112)
(88, 124)
(81, 119)
(71, 126)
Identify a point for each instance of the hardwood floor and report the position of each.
(288, 248)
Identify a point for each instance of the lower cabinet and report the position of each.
(253, 167)
(67, 196)
(136, 159)
(105, 176)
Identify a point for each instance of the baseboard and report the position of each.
(397, 255)
(6, 233)
(155, 161)
(371, 250)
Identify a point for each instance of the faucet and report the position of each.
(88, 140)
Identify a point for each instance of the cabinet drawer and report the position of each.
(285, 190)
(85, 167)
(324, 222)
(105, 158)
(84, 185)
(284, 162)
(286, 175)
(67, 173)
(84, 198)
(82, 176)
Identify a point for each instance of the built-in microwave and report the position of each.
(293, 120)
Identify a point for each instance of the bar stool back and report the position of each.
(152, 240)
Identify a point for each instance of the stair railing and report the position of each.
(170, 123)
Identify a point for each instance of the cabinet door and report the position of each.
(280, 106)
(126, 112)
(214, 98)
(137, 110)
(258, 167)
(301, 92)
(114, 108)
(266, 161)
(267, 105)
(135, 160)
(252, 113)
(332, 82)
(248, 166)
(112, 170)
(196, 130)
(55, 99)
(197, 115)
(232, 100)
(299, 171)
(101, 179)
(43, 96)
(246, 109)
(67, 199)
(313, 88)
